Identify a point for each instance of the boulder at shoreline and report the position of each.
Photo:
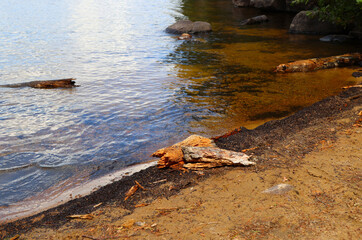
(255, 20)
(187, 26)
(307, 23)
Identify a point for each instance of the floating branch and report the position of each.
(59, 83)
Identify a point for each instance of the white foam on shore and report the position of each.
(45, 201)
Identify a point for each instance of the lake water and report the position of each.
(141, 88)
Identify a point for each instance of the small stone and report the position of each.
(279, 189)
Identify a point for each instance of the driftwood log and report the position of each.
(59, 83)
(320, 63)
(209, 157)
(173, 157)
(197, 152)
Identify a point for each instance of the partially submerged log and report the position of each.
(320, 63)
(208, 157)
(59, 83)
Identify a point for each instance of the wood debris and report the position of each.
(58, 83)
(83, 216)
(173, 156)
(197, 153)
(131, 191)
(139, 185)
(16, 237)
(141, 205)
(97, 205)
(206, 157)
(320, 63)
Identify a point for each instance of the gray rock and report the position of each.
(187, 26)
(255, 20)
(309, 24)
(269, 4)
(279, 189)
(357, 74)
(336, 38)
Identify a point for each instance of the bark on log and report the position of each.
(314, 64)
(206, 157)
(59, 83)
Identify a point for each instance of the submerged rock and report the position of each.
(357, 74)
(336, 38)
(307, 23)
(255, 20)
(187, 26)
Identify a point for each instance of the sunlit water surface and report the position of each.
(141, 88)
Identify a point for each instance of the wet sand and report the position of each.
(317, 151)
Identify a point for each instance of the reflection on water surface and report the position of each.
(141, 89)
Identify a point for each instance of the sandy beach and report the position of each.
(315, 153)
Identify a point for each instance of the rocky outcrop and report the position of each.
(307, 23)
(187, 26)
(255, 20)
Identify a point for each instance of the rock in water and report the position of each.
(336, 38)
(255, 20)
(306, 23)
(187, 26)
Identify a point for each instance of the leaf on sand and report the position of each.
(142, 205)
(129, 223)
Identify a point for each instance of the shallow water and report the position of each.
(141, 88)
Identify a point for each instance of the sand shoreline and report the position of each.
(201, 203)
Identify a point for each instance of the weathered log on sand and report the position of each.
(320, 63)
(208, 157)
(173, 156)
(59, 83)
